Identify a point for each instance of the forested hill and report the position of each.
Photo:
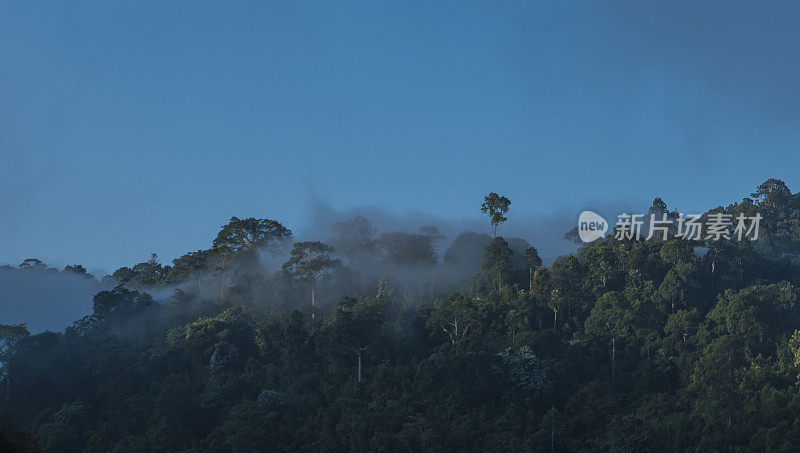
(380, 342)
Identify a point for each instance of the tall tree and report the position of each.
(354, 238)
(10, 336)
(772, 193)
(610, 318)
(407, 249)
(355, 325)
(243, 235)
(148, 274)
(192, 264)
(553, 421)
(243, 238)
(454, 316)
(497, 262)
(496, 207)
(310, 261)
(534, 261)
(555, 302)
(120, 304)
(77, 269)
(466, 251)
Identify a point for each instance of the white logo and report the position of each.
(591, 226)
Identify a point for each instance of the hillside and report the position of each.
(381, 342)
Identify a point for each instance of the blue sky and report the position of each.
(131, 127)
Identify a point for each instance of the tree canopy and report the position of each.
(625, 345)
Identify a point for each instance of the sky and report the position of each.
(135, 127)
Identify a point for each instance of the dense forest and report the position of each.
(380, 341)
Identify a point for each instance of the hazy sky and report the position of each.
(132, 127)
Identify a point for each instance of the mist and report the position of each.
(45, 299)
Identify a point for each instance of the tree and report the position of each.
(715, 381)
(679, 287)
(354, 238)
(77, 269)
(407, 249)
(676, 249)
(555, 422)
(10, 336)
(522, 370)
(772, 193)
(717, 251)
(683, 324)
(534, 262)
(221, 373)
(355, 325)
(573, 236)
(708, 362)
(149, 273)
(610, 318)
(309, 261)
(497, 262)
(555, 302)
(465, 253)
(542, 285)
(120, 303)
(566, 280)
(192, 264)
(243, 235)
(602, 265)
(454, 317)
(756, 314)
(658, 206)
(123, 274)
(32, 264)
(243, 238)
(496, 207)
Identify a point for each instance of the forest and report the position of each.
(387, 341)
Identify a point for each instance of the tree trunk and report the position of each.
(613, 354)
(730, 390)
(358, 352)
(552, 437)
(222, 279)
(499, 281)
(313, 315)
(555, 318)
(530, 279)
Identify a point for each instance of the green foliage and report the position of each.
(309, 260)
(120, 303)
(496, 207)
(354, 238)
(244, 235)
(407, 249)
(532, 258)
(496, 265)
(523, 371)
(624, 346)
